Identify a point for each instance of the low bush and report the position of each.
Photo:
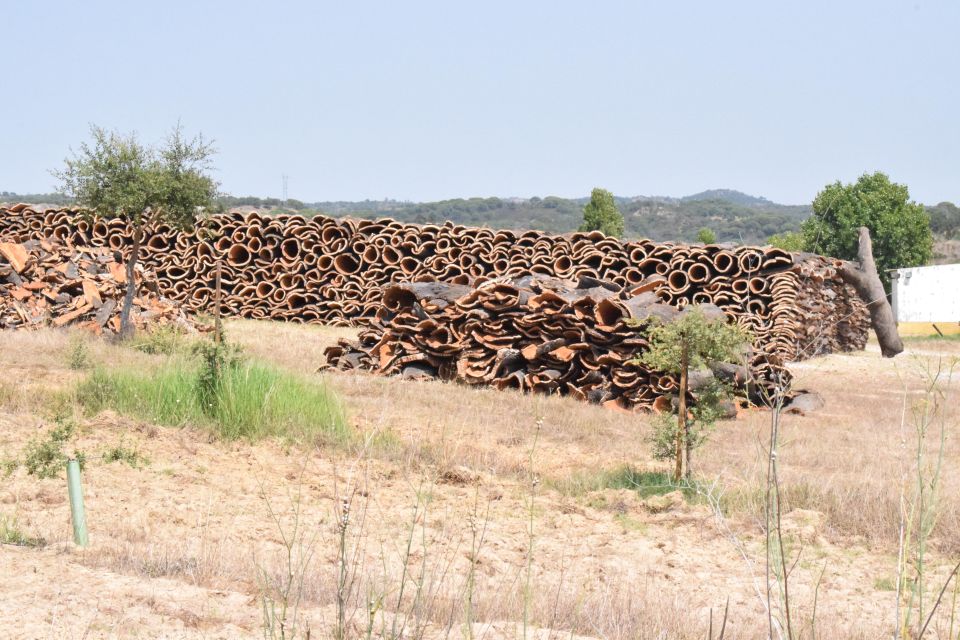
(78, 357)
(44, 456)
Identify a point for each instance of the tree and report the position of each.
(706, 236)
(900, 228)
(788, 241)
(689, 343)
(115, 176)
(601, 214)
(945, 219)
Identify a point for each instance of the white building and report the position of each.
(927, 294)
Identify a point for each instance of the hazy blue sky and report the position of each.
(430, 100)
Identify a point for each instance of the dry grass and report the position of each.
(191, 528)
(847, 460)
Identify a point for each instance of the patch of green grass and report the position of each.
(645, 483)
(884, 584)
(953, 337)
(11, 533)
(252, 402)
(630, 524)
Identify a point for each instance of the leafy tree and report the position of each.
(706, 236)
(116, 176)
(689, 343)
(788, 240)
(945, 219)
(900, 228)
(601, 214)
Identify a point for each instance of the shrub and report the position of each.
(78, 357)
(43, 457)
(217, 361)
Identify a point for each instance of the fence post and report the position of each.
(218, 326)
(77, 514)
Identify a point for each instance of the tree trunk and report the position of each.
(681, 415)
(866, 281)
(127, 328)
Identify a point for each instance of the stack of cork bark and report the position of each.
(539, 334)
(333, 270)
(44, 283)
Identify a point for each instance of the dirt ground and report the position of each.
(468, 512)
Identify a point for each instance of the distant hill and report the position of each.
(732, 215)
(749, 220)
(729, 195)
(52, 199)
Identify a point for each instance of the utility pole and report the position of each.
(283, 204)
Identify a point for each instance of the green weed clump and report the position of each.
(11, 533)
(240, 400)
(122, 453)
(165, 340)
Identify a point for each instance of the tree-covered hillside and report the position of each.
(651, 217)
(733, 216)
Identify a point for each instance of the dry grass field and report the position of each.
(455, 512)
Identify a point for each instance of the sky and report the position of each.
(432, 100)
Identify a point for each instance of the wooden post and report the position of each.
(218, 326)
(682, 427)
(77, 514)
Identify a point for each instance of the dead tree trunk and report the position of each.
(865, 280)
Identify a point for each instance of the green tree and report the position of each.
(900, 228)
(690, 343)
(116, 176)
(602, 214)
(788, 240)
(945, 219)
(706, 236)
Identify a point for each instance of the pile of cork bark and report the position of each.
(543, 335)
(44, 282)
(332, 271)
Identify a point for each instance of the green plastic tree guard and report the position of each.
(76, 504)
